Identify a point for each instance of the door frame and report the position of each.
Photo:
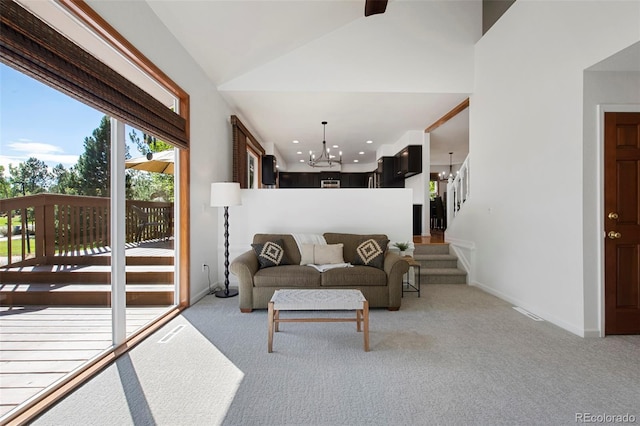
(601, 109)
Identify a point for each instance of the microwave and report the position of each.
(329, 183)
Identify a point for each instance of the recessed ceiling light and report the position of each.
(361, 153)
(299, 152)
(336, 146)
(302, 161)
(369, 141)
(296, 141)
(355, 161)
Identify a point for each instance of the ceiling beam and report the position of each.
(448, 116)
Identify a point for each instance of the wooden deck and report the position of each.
(41, 344)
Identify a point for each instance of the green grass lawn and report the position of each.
(16, 247)
(15, 221)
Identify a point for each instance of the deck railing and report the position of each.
(68, 225)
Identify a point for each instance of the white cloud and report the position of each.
(34, 148)
(55, 159)
(5, 160)
(52, 155)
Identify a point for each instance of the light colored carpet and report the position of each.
(454, 356)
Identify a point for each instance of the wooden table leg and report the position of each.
(276, 316)
(358, 318)
(366, 325)
(270, 319)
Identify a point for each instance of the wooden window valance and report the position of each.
(31, 46)
(242, 140)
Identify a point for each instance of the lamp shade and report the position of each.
(225, 194)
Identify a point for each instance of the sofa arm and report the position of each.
(245, 267)
(395, 267)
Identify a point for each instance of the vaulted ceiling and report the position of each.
(286, 66)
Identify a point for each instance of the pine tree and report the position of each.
(93, 167)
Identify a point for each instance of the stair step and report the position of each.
(442, 276)
(436, 260)
(421, 249)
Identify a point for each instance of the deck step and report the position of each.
(99, 274)
(83, 294)
(106, 260)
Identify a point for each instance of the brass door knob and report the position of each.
(613, 235)
(613, 215)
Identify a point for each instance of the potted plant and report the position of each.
(401, 246)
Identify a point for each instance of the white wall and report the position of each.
(210, 130)
(525, 213)
(612, 90)
(358, 211)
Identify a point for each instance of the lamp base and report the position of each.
(223, 293)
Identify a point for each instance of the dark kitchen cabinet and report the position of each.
(269, 170)
(299, 180)
(354, 180)
(387, 167)
(409, 161)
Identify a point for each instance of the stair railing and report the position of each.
(458, 191)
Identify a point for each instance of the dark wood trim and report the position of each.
(184, 255)
(242, 141)
(448, 116)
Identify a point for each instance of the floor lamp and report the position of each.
(225, 194)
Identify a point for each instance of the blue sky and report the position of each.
(38, 121)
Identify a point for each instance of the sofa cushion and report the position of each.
(290, 245)
(322, 254)
(270, 253)
(350, 241)
(287, 276)
(370, 252)
(356, 276)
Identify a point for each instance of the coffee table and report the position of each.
(318, 300)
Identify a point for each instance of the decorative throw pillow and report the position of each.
(371, 253)
(270, 253)
(322, 254)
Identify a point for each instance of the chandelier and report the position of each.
(443, 175)
(325, 159)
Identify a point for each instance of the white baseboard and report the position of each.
(545, 315)
(590, 333)
(198, 296)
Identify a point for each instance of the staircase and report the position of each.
(437, 265)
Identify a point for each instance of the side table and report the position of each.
(415, 267)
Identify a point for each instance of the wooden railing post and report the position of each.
(49, 221)
(40, 248)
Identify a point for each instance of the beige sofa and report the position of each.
(381, 287)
